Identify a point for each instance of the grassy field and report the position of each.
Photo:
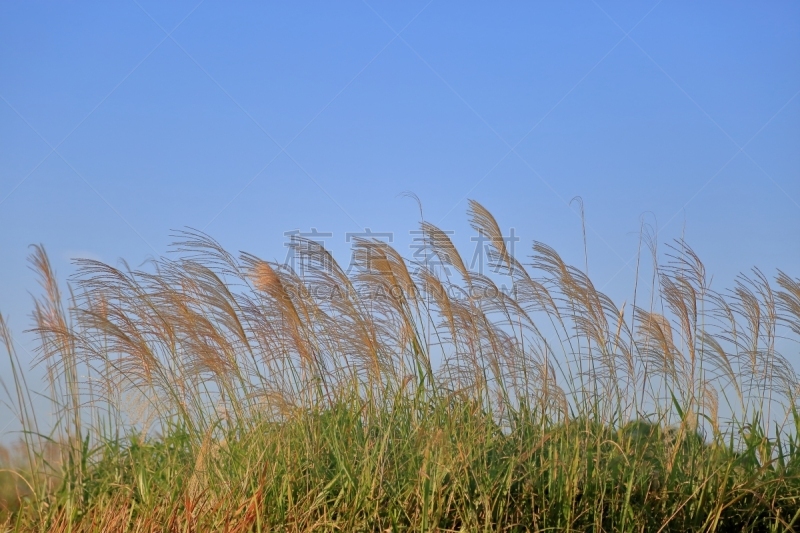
(214, 392)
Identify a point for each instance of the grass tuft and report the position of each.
(214, 392)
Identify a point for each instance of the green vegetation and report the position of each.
(211, 392)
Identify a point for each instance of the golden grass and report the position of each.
(211, 392)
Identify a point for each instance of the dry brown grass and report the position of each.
(203, 344)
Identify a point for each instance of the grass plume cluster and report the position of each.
(214, 392)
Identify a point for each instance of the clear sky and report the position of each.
(120, 121)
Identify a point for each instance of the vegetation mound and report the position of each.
(214, 392)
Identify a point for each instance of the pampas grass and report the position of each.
(214, 392)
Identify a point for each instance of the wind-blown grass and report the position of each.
(213, 392)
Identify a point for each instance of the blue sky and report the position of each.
(120, 122)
